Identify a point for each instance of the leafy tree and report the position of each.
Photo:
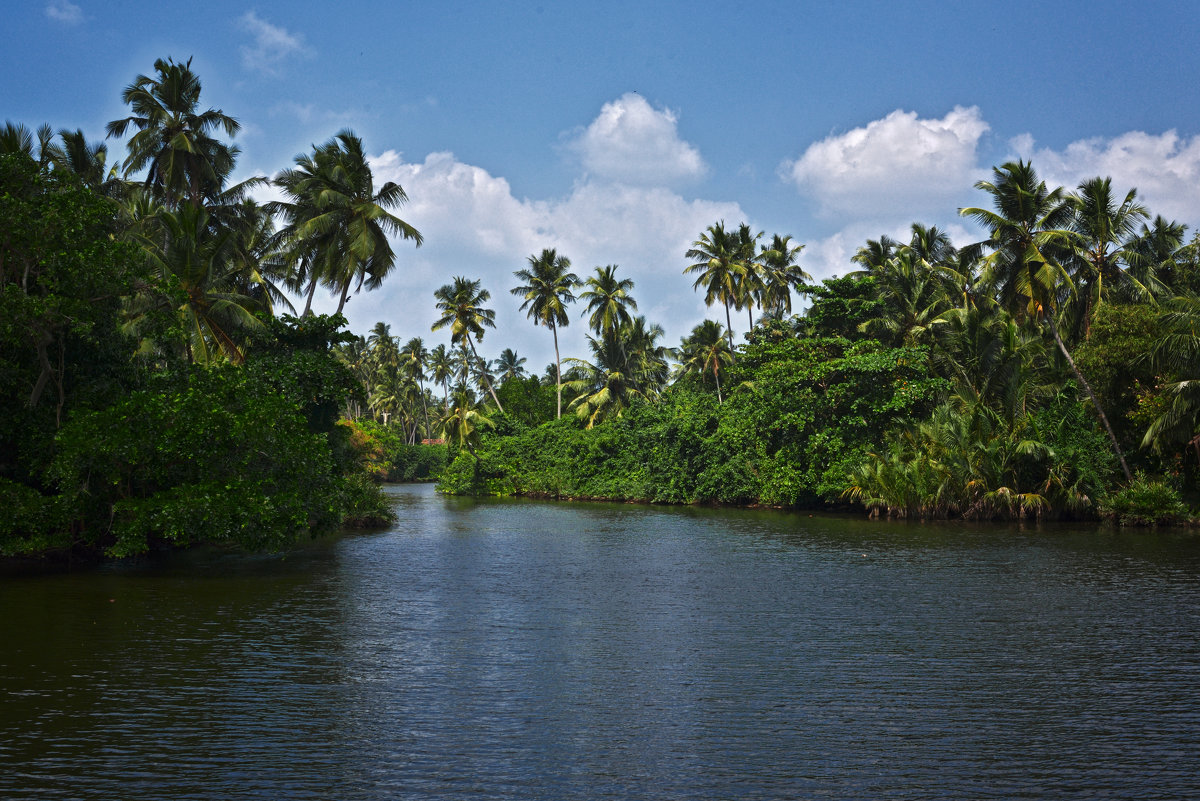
(841, 306)
(62, 277)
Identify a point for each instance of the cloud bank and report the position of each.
(1165, 169)
(633, 143)
(900, 161)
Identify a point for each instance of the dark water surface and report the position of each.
(512, 649)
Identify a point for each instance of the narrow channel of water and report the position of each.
(528, 650)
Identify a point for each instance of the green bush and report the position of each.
(1145, 502)
(364, 504)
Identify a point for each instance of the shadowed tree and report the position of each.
(174, 140)
(548, 287)
(16, 138)
(336, 224)
(1028, 233)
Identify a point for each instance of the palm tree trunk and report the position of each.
(486, 380)
(345, 297)
(1088, 389)
(729, 323)
(557, 370)
(717, 378)
(425, 406)
(312, 290)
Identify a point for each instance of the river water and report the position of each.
(528, 650)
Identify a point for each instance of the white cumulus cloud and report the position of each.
(1164, 168)
(64, 11)
(901, 162)
(272, 44)
(634, 143)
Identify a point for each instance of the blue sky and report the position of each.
(616, 132)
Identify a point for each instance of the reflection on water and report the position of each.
(516, 649)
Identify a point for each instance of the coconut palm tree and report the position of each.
(1027, 238)
(338, 224)
(547, 290)
(463, 424)
(705, 351)
(608, 300)
(752, 279)
(1152, 256)
(510, 365)
(875, 253)
(17, 138)
(718, 270)
(625, 366)
(88, 161)
(914, 297)
(1105, 236)
(462, 310)
(174, 140)
(441, 370)
(414, 358)
(781, 274)
(183, 248)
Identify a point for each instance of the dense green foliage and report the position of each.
(1145, 502)
(149, 395)
(789, 436)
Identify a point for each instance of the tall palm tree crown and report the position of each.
(608, 300)
(1105, 239)
(1027, 231)
(718, 269)
(462, 310)
(781, 274)
(174, 140)
(337, 224)
(547, 290)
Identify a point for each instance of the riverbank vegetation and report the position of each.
(159, 389)
(1044, 372)
(154, 389)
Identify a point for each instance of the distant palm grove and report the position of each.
(159, 389)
